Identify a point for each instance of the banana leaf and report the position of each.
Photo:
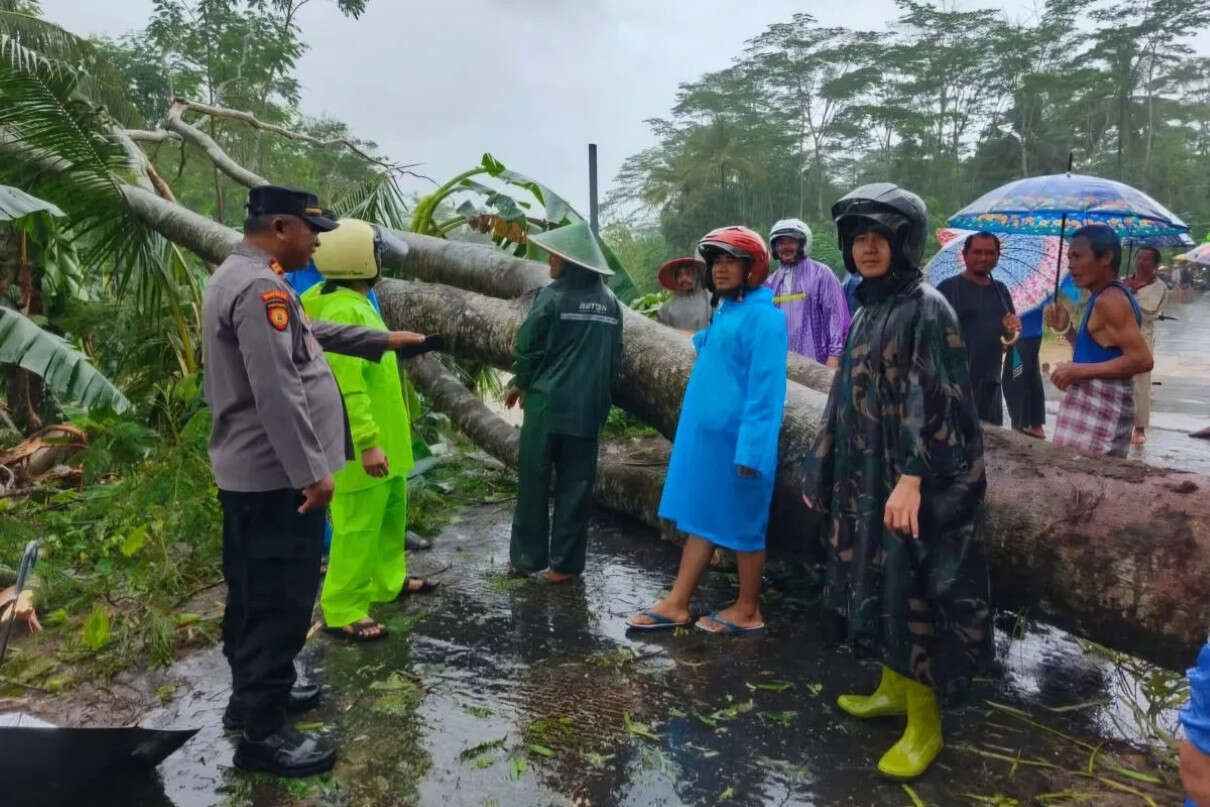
(559, 212)
(65, 370)
(16, 204)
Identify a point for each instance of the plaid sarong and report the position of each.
(1097, 416)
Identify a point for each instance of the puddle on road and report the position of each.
(502, 692)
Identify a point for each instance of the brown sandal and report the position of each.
(426, 587)
(361, 631)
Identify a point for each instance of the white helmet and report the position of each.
(795, 228)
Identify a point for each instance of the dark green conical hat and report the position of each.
(574, 243)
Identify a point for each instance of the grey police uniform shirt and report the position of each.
(279, 419)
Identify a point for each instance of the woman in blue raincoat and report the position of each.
(724, 459)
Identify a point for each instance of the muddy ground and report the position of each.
(497, 691)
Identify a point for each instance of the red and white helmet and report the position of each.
(739, 242)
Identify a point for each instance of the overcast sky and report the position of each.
(531, 81)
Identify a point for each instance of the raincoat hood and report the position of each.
(897, 212)
(793, 228)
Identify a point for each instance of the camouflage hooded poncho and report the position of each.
(901, 404)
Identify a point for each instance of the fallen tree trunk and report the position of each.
(626, 483)
(1116, 551)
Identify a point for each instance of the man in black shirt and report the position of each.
(985, 314)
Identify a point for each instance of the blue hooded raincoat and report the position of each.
(730, 417)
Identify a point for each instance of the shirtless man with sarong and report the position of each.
(1096, 413)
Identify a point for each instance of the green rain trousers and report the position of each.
(369, 514)
(574, 463)
(366, 562)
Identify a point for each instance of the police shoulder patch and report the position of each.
(277, 308)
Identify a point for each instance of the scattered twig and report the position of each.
(1127, 789)
(1037, 763)
(16, 683)
(916, 801)
(1024, 717)
(191, 594)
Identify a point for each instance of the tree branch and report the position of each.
(179, 105)
(151, 135)
(176, 123)
(137, 161)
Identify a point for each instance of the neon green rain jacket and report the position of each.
(372, 391)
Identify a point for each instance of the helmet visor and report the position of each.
(710, 250)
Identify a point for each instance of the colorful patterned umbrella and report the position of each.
(1059, 203)
(1199, 255)
(1027, 265)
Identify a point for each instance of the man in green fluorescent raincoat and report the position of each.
(568, 355)
(369, 508)
(897, 473)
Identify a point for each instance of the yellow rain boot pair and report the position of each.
(921, 740)
(888, 699)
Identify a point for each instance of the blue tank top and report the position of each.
(1087, 351)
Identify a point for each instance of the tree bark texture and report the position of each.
(1115, 550)
(627, 481)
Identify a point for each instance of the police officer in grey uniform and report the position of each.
(279, 433)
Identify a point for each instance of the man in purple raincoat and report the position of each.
(810, 295)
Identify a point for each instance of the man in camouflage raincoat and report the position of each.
(897, 472)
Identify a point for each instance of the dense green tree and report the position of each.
(950, 103)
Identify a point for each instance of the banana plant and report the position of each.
(506, 217)
(65, 370)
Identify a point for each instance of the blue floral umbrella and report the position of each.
(1059, 203)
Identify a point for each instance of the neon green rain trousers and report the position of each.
(369, 514)
(365, 563)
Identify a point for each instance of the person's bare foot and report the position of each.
(1035, 431)
(664, 609)
(560, 577)
(1139, 438)
(740, 617)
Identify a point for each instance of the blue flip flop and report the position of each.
(660, 622)
(729, 628)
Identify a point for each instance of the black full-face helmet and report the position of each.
(892, 209)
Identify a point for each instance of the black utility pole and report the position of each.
(592, 190)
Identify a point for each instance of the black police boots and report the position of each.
(302, 698)
(286, 752)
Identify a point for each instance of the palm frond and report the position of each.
(65, 370)
(40, 107)
(379, 201)
(99, 81)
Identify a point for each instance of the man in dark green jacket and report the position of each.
(568, 356)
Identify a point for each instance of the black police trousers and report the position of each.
(271, 557)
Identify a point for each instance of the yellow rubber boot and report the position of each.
(887, 699)
(921, 740)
